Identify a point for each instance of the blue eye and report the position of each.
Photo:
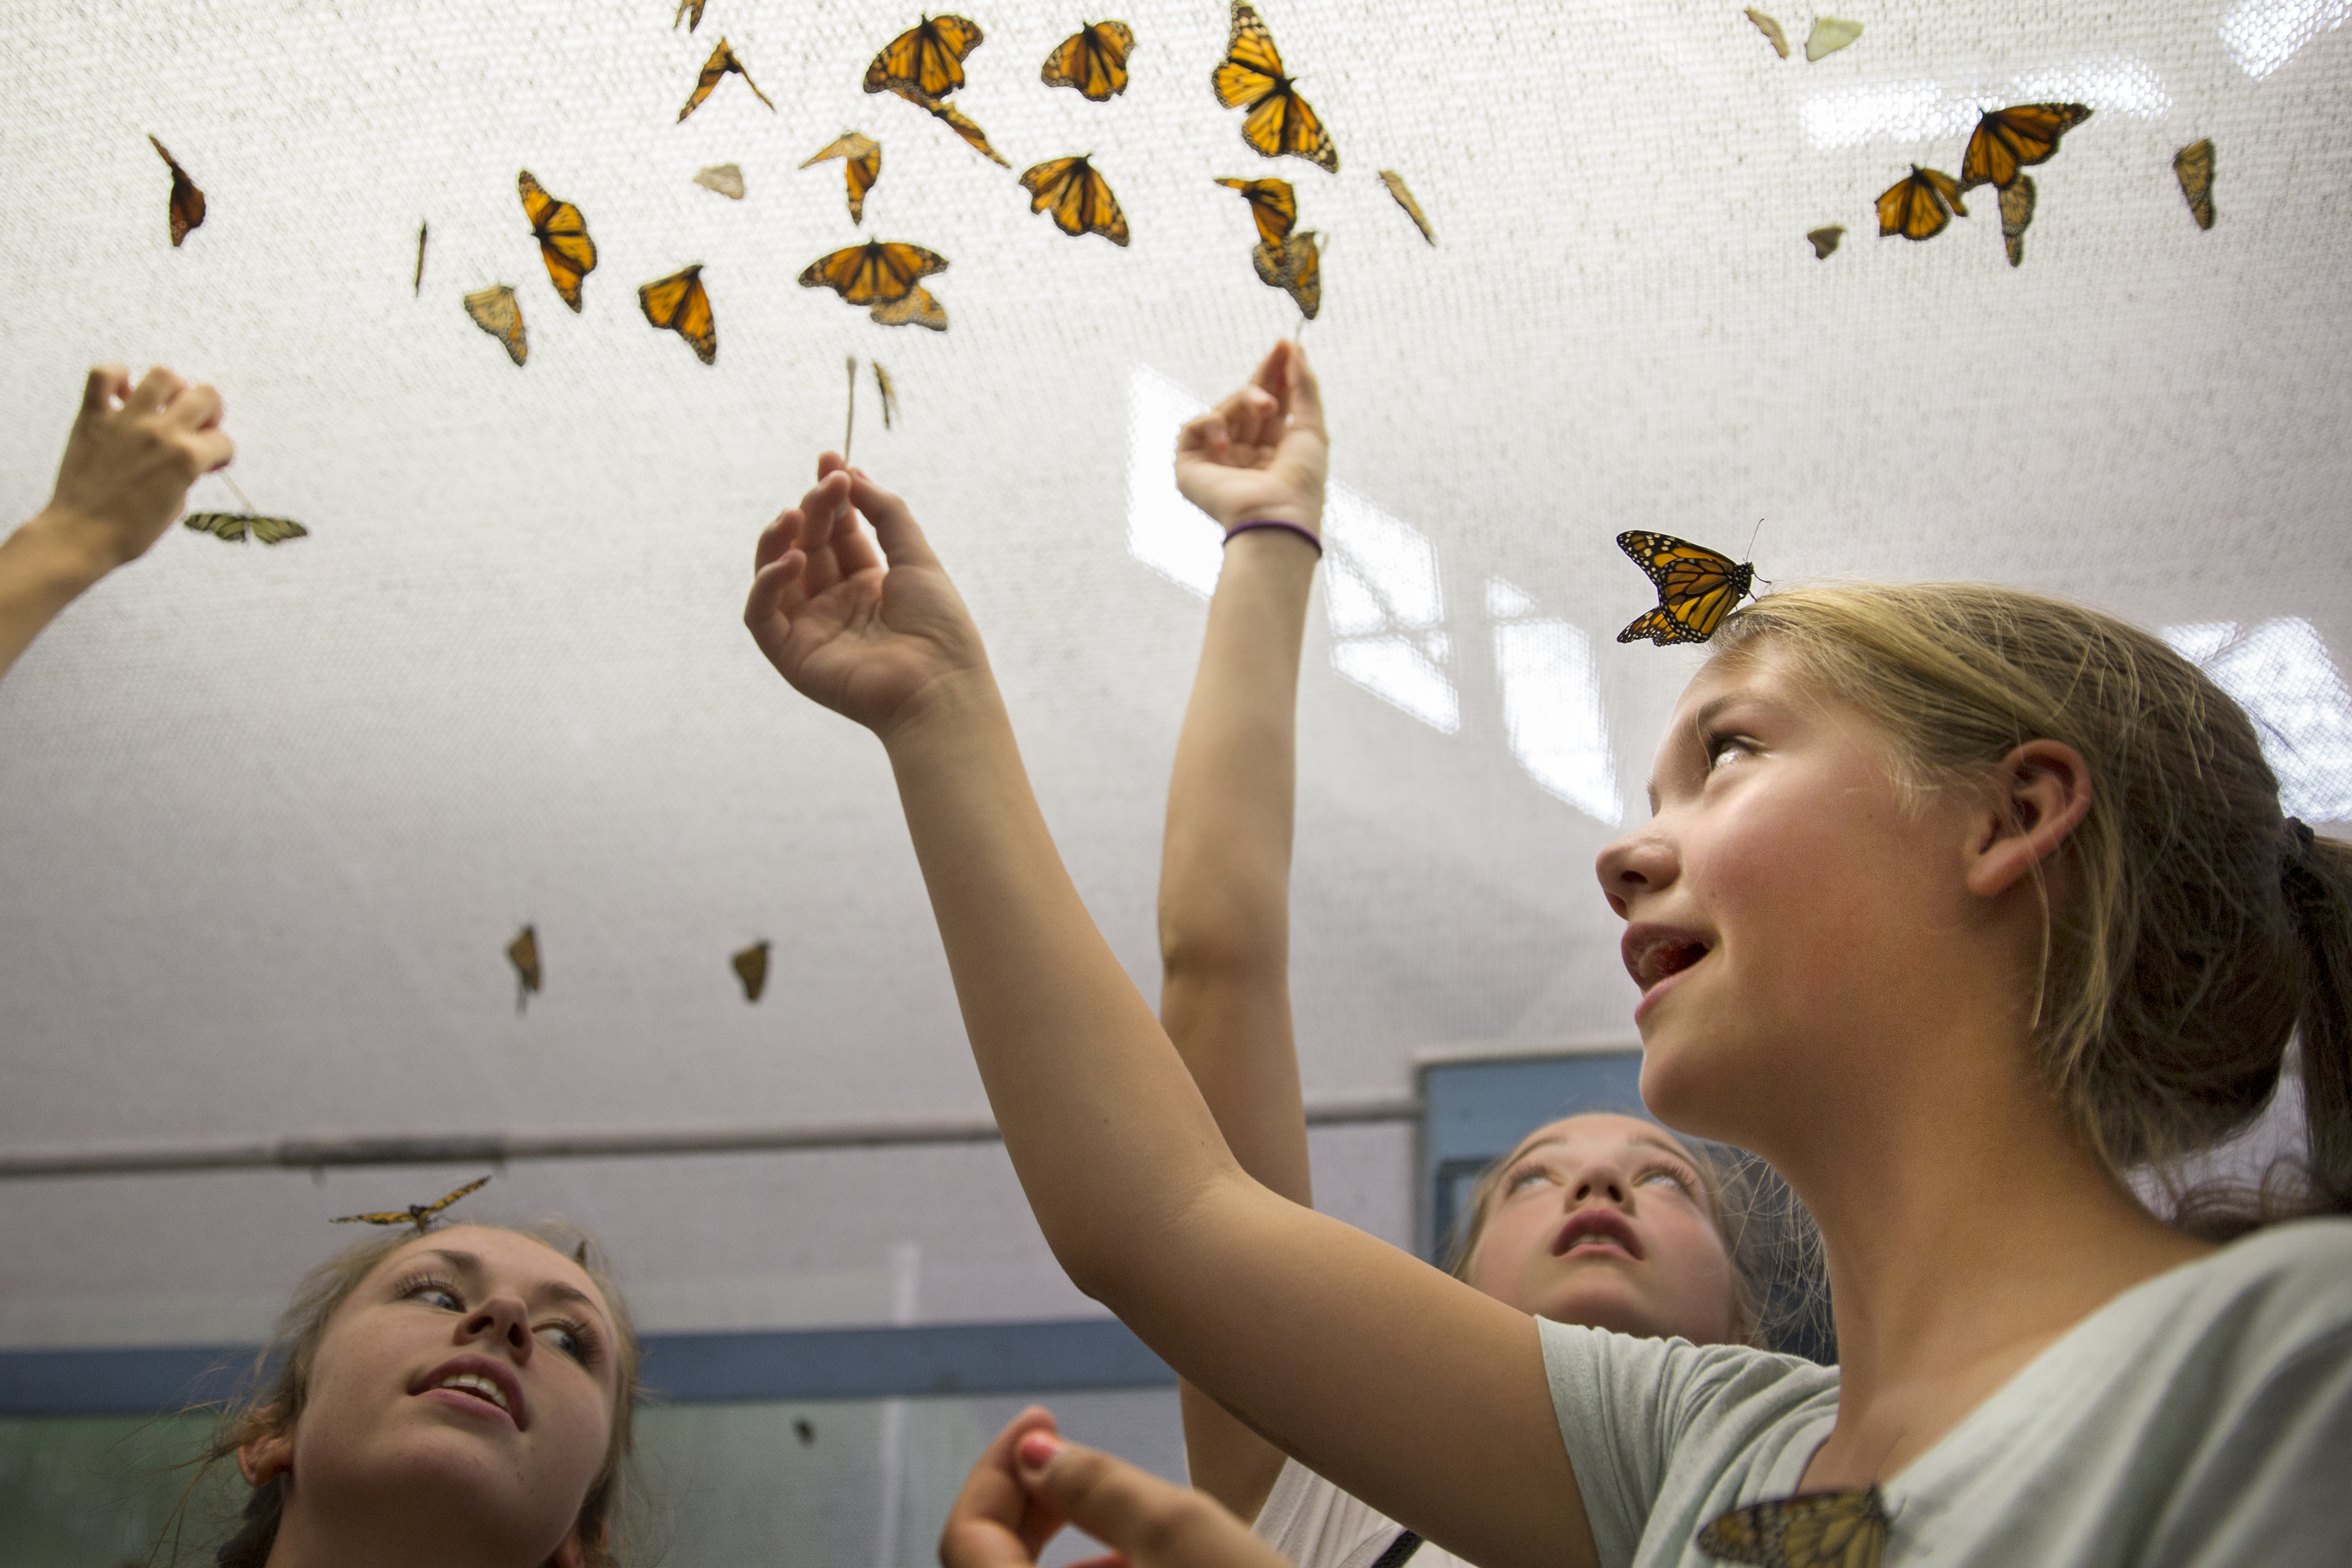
(436, 1292)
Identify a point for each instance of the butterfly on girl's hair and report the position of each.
(420, 1215)
(1698, 586)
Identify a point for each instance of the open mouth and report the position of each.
(1652, 954)
(478, 1379)
(1602, 1231)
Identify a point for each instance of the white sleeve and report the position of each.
(1316, 1525)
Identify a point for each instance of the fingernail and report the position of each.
(1038, 1448)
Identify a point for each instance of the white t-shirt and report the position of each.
(1316, 1525)
(2202, 1418)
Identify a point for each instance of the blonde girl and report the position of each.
(1957, 904)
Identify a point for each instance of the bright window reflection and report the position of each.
(2264, 34)
(2280, 674)
(1551, 704)
(1925, 110)
(1165, 531)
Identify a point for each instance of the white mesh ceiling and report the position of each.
(270, 815)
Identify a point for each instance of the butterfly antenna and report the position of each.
(850, 428)
(1750, 551)
(240, 495)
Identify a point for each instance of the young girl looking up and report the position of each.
(1958, 903)
(461, 1398)
(1600, 1220)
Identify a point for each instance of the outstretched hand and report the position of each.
(127, 470)
(1030, 1483)
(1260, 455)
(869, 627)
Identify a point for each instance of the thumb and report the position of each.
(895, 527)
(106, 383)
(1305, 395)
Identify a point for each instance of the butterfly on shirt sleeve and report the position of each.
(1093, 59)
(679, 304)
(186, 210)
(1811, 1530)
(722, 60)
(861, 162)
(1250, 76)
(1073, 191)
(927, 56)
(1696, 588)
(2008, 140)
(562, 236)
(1919, 205)
(415, 1213)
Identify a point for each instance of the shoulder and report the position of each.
(1658, 1375)
(2265, 1299)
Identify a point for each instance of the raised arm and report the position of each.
(1405, 1387)
(1225, 869)
(124, 477)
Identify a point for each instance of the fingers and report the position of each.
(155, 390)
(1306, 394)
(213, 450)
(1152, 1523)
(894, 525)
(197, 408)
(995, 1523)
(106, 384)
(777, 538)
(774, 593)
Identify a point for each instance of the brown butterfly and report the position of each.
(722, 60)
(188, 208)
(1811, 1530)
(751, 969)
(1771, 31)
(690, 13)
(1272, 203)
(233, 527)
(919, 309)
(1919, 205)
(419, 287)
(879, 272)
(679, 304)
(2017, 200)
(889, 394)
(1093, 59)
(495, 312)
(2193, 167)
(862, 159)
(2007, 140)
(1250, 77)
(1077, 198)
(562, 236)
(524, 954)
(420, 1215)
(1395, 182)
(956, 121)
(1825, 239)
(1293, 265)
(927, 56)
(727, 178)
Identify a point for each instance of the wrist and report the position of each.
(1308, 518)
(70, 547)
(943, 716)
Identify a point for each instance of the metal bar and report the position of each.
(504, 1148)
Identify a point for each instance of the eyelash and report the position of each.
(1718, 742)
(1683, 1179)
(589, 1348)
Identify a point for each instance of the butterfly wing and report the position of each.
(1771, 31)
(1825, 239)
(751, 969)
(1918, 205)
(1077, 198)
(1812, 1530)
(1282, 123)
(712, 69)
(888, 394)
(562, 236)
(228, 526)
(381, 1218)
(2017, 199)
(2007, 140)
(1697, 587)
(927, 56)
(1829, 35)
(440, 1204)
(1395, 182)
(955, 120)
(727, 178)
(678, 303)
(277, 531)
(1294, 267)
(918, 308)
(1272, 203)
(524, 954)
(497, 311)
(186, 210)
(1251, 67)
(690, 13)
(1093, 59)
(2193, 167)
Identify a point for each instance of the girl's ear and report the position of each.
(268, 1454)
(2037, 794)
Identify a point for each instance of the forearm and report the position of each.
(44, 566)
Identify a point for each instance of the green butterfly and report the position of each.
(234, 526)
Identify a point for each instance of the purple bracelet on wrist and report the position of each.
(1307, 534)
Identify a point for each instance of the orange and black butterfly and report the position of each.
(1272, 203)
(2193, 167)
(927, 57)
(2009, 140)
(919, 309)
(690, 13)
(879, 272)
(1250, 77)
(562, 236)
(495, 312)
(1811, 1530)
(1293, 265)
(1073, 191)
(1093, 59)
(1919, 205)
(956, 121)
(721, 61)
(420, 1215)
(2017, 199)
(679, 304)
(1696, 588)
(187, 209)
(862, 158)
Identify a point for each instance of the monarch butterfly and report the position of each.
(1919, 205)
(562, 236)
(1075, 195)
(1811, 1530)
(889, 394)
(187, 205)
(1272, 203)
(727, 178)
(418, 288)
(1771, 31)
(524, 954)
(1093, 59)
(690, 13)
(927, 57)
(879, 272)
(956, 121)
(1829, 35)
(722, 60)
(233, 527)
(2007, 140)
(1296, 267)
(1825, 239)
(1250, 77)
(2193, 167)
(1696, 588)
(417, 1214)
(1395, 182)
(751, 969)
(861, 159)
(919, 309)
(2017, 200)
(679, 304)
(495, 312)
